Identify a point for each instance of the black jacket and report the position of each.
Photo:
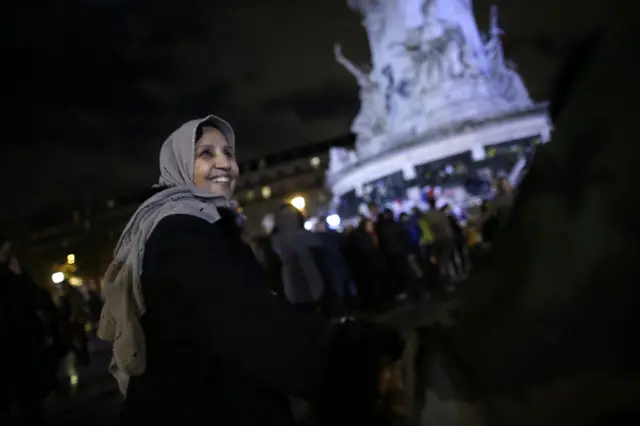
(222, 349)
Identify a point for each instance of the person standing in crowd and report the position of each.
(460, 255)
(335, 262)
(27, 334)
(269, 259)
(396, 248)
(374, 212)
(74, 315)
(425, 244)
(415, 277)
(410, 223)
(94, 304)
(496, 210)
(504, 193)
(489, 222)
(198, 336)
(300, 252)
(444, 242)
(368, 264)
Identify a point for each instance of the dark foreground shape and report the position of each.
(545, 332)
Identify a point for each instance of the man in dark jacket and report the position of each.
(334, 261)
(396, 247)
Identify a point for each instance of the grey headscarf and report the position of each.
(124, 304)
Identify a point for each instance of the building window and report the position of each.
(266, 192)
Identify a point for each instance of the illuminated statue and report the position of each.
(371, 119)
(431, 71)
(508, 83)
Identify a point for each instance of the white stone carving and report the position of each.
(432, 75)
(340, 159)
(508, 83)
(375, 19)
(371, 119)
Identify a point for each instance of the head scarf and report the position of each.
(124, 304)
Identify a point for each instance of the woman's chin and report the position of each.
(222, 190)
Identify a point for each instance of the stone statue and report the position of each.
(508, 82)
(493, 46)
(371, 119)
(375, 18)
(340, 158)
(437, 49)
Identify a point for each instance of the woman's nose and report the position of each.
(222, 161)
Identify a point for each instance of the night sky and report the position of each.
(97, 85)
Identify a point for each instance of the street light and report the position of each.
(299, 203)
(71, 259)
(333, 221)
(57, 277)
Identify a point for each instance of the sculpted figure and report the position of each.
(371, 119)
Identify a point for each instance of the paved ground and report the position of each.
(96, 398)
(93, 401)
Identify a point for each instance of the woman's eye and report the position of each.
(206, 153)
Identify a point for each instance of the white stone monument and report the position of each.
(434, 79)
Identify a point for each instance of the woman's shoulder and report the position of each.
(178, 224)
(185, 228)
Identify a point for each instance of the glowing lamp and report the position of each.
(299, 203)
(333, 220)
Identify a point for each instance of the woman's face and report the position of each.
(215, 168)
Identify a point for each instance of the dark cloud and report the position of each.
(97, 85)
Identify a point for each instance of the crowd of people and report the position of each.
(383, 260)
(40, 329)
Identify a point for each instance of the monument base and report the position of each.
(474, 141)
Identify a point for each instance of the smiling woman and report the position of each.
(198, 336)
(215, 168)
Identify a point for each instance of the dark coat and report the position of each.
(223, 349)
